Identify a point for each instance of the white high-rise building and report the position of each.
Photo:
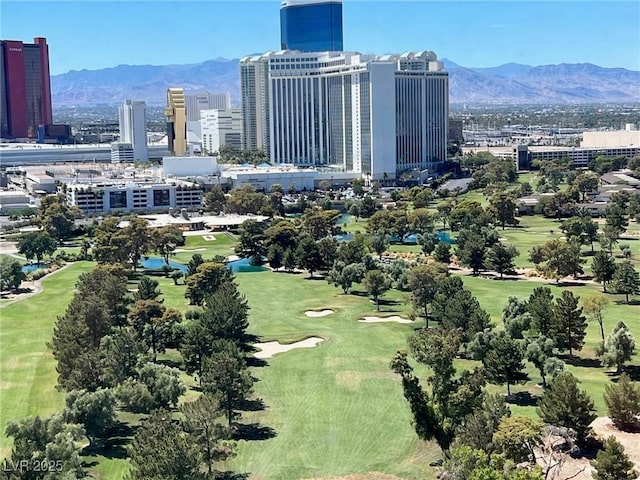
(375, 115)
(221, 127)
(197, 102)
(133, 128)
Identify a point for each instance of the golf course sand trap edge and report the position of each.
(269, 349)
(318, 313)
(393, 318)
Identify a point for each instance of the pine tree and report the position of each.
(603, 268)
(504, 361)
(612, 463)
(569, 325)
(564, 405)
(500, 258)
(540, 306)
(619, 347)
(623, 402)
(161, 449)
(626, 280)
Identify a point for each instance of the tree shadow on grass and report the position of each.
(115, 446)
(169, 363)
(633, 371)
(256, 362)
(522, 399)
(580, 361)
(632, 301)
(229, 475)
(253, 405)
(253, 431)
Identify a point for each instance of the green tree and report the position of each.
(11, 274)
(36, 245)
(50, 440)
(616, 217)
(504, 361)
(503, 208)
(140, 239)
(540, 306)
(96, 411)
(517, 437)
(155, 386)
(594, 307)
(162, 450)
(319, 223)
(379, 244)
(56, 217)
(275, 256)
(437, 414)
(110, 243)
(154, 324)
(619, 347)
(344, 276)
(76, 339)
(164, 241)
(541, 353)
(207, 279)
(626, 280)
(215, 200)
(569, 325)
(442, 253)
(245, 200)
(251, 243)
(623, 402)
(455, 307)
(603, 268)
(472, 251)
(289, 260)
(565, 405)
(119, 353)
(194, 263)
(612, 463)
(478, 427)
(376, 283)
(308, 255)
(500, 258)
(225, 374)
(147, 289)
(586, 183)
(423, 283)
(201, 422)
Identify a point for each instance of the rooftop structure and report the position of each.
(311, 25)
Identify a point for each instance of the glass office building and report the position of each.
(311, 25)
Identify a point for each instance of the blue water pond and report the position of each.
(33, 267)
(237, 266)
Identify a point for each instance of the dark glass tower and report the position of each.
(311, 25)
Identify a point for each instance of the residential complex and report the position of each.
(311, 25)
(370, 114)
(197, 102)
(25, 88)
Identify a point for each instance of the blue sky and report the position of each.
(95, 34)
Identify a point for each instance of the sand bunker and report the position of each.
(394, 318)
(269, 349)
(318, 313)
(188, 250)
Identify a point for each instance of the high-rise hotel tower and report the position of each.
(25, 88)
(375, 115)
(311, 25)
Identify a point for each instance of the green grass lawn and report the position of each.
(336, 409)
(27, 368)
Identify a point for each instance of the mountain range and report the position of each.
(511, 83)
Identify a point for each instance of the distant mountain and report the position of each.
(510, 83)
